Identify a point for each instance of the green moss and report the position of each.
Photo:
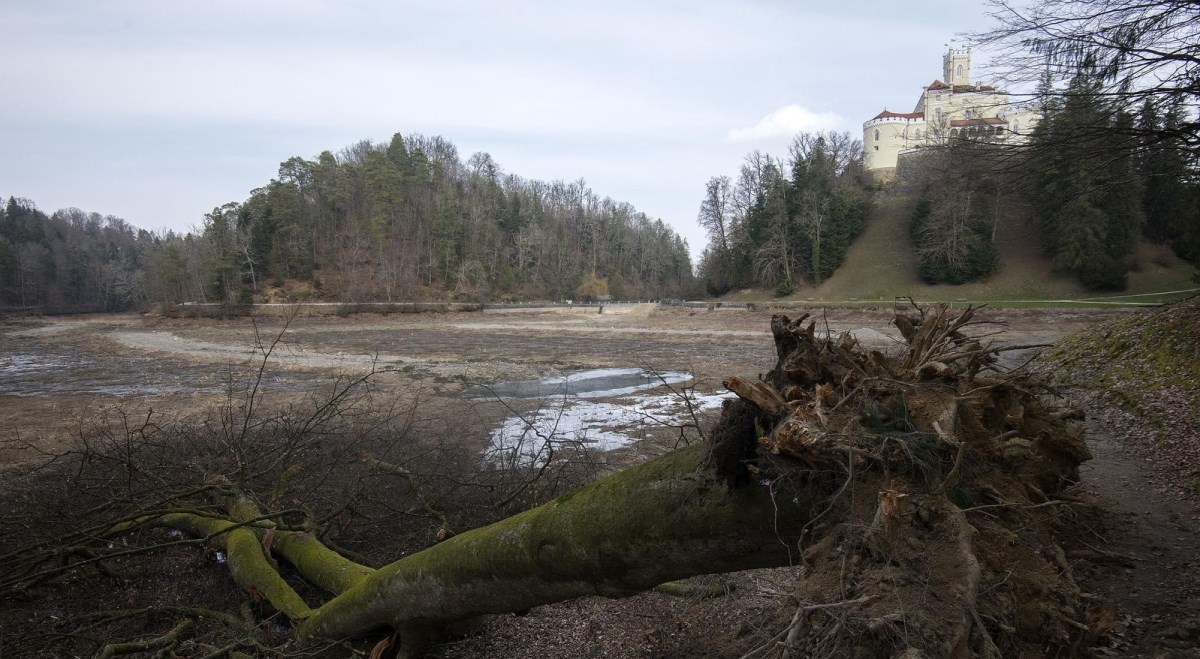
(247, 563)
(252, 570)
(319, 564)
(663, 520)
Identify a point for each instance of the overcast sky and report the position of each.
(157, 111)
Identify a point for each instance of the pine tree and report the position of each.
(1085, 187)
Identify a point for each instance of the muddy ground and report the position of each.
(53, 371)
(56, 373)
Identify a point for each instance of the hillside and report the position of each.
(1137, 378)
(881, 265)
(1143, 373)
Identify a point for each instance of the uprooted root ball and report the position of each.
(949, 476)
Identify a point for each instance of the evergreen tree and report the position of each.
(1086, 191)
(1170, 191)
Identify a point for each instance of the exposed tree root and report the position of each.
(943, 536)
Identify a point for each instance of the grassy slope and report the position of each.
(1147, 352)
(881, 265)
(1147, 364)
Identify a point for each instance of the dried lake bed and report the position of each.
(629, 377)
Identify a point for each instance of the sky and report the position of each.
(158, 111)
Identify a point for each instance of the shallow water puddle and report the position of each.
(569, 419)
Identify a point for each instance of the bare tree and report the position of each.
(716, 211)
(1145, 51)
(752, 181)
(962, 190)
(843, 150)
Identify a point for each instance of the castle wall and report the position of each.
(1021, 121)
(894, 135)
(961, 106)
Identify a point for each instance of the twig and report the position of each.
(166, 640)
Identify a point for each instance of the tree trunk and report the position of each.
(664, 520)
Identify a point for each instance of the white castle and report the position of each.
(949, 109)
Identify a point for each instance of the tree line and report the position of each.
(405, 220)
(410, 220)
(70, 260)
(784, 222)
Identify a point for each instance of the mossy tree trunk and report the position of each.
(664, 520)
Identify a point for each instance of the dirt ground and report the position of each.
(60, 368)
(56, 372)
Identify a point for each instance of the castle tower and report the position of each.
(956, 67)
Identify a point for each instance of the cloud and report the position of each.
(785, 122)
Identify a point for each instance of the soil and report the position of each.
(1151, 581)
(1154, 586)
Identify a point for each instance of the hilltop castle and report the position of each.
(948, 109)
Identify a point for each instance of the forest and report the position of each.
(784, 222)
(406, 220)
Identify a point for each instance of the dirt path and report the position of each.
(285, 355)
(1153, 581)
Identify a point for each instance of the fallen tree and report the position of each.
(921, 490)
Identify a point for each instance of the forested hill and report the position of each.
(406, 220)
(1095, 179)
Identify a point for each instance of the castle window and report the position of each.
(876, 134)
(917, 134)
(959, 71)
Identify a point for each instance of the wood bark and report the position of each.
(667, 519)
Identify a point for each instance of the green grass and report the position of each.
(881, 265)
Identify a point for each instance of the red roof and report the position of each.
(990, 121)
(938, 84)
(899, 115)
